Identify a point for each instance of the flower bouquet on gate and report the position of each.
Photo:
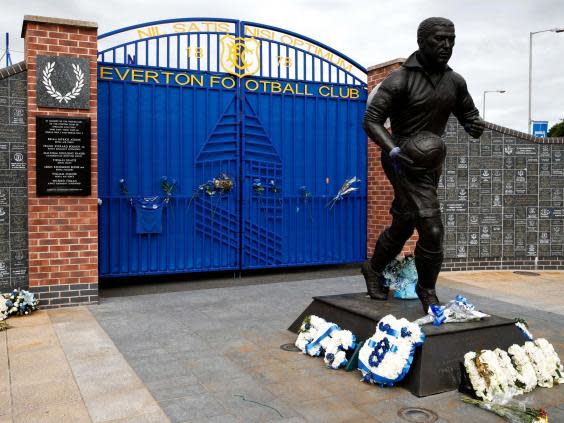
(317, 336)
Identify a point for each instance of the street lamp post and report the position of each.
(484, 103)
(557, 30)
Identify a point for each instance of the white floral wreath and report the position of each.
(48, 70)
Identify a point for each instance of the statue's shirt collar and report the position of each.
(413, 62)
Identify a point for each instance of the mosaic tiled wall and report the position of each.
(13, 178)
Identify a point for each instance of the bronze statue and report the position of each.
(418, 98)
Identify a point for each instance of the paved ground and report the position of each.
(213, 355)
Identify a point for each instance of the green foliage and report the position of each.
(557, 130)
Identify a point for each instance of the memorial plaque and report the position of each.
(63, 82)
(63, 156)
(462, 238)
(4, 215)
(4, 156)
(473, 252)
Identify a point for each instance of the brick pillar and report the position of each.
(63, 230)
(380, 192)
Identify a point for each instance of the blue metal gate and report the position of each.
(253, 130)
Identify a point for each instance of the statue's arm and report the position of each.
(379, 134)
(466, 112)
(378, 111)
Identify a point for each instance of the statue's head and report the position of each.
(435, 37)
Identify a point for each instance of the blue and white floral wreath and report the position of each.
(385, 358)
(318, 336)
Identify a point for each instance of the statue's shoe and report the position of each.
(374, 282)
(427, 297)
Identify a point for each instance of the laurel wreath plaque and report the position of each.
(75, 92)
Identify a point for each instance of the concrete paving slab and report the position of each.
(73, 412)
(323, 410)
(193, 407)
(109, 387)
(101, 383)
(25, 372)
(121, 404)
(5, 402)
(58, 391)
(30, 338)
(176, 388)
(40, 317)
(154, 417)
(250, 409)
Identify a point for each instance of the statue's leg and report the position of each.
(389, 245)
(428, 259)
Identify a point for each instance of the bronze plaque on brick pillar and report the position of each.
(63, 156)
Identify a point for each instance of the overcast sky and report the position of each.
(491, 51)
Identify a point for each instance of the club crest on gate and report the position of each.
(240, 56)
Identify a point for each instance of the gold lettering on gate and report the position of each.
(285, 61)
(197, 52)
(239, 56)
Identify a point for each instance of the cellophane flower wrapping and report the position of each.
(456, 311)
(401, 276)
(317, 337)
(512, 410)
(18, 302)
(385, 358)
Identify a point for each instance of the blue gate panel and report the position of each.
(306, 146)
(187, 134)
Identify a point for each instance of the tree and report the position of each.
(557, 130)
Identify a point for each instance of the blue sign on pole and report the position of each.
(540, 128)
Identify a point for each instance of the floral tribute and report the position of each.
(18, 302)
(499, 375)
(401, 276)
(513, 411)
(344, 191)
(524, 328)
(385, 358)
(318, 336)
(456, 311)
